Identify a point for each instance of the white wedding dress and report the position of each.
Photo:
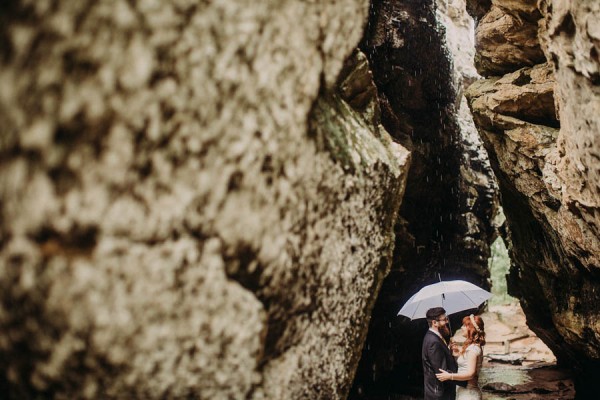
(472, 391)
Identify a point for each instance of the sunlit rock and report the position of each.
(506, 39)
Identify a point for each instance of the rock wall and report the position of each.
(538, 115)
(445, 218)
(197, 199)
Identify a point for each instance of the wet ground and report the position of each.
(517, 365)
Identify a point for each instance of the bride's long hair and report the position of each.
(474, 335)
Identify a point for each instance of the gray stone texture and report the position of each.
(540, 126)
(194, 203)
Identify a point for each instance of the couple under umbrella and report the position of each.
(450, 372)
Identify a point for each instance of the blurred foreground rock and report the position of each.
(197, 200)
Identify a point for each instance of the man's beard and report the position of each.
(445, 332)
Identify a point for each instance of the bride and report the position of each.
(469, 359)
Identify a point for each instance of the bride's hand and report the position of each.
(454, 349)
(443, 376)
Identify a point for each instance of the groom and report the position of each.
(436, 354)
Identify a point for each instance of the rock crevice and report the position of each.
(444, 224)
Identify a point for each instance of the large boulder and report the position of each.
(197, 200)
(540, 126)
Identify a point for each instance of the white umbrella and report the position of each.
(454, 296)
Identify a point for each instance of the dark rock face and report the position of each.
(540, 126)
(444, 224)
(197, 199)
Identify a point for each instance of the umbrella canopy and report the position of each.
(454, 296)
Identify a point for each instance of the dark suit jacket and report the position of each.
(435, 355)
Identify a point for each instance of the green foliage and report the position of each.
(499, 264)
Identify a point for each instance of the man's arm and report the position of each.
(467, 375)
(437, 355)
